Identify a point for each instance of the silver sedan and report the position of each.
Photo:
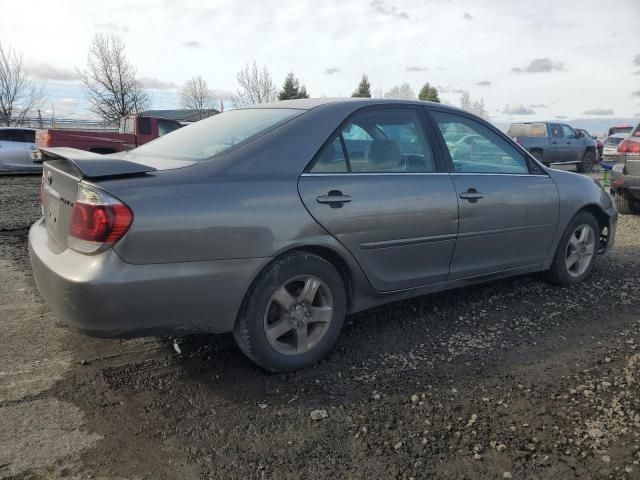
(16, 146)
(275, 221)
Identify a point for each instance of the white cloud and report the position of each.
(518, 109)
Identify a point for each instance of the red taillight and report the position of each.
(98, 220)
(627, 146)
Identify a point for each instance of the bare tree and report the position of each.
(197, 96)
(473, 106)
(256, 86)
(19, 95)
(403, 92)
(109, 81)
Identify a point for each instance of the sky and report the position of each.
(528, 60)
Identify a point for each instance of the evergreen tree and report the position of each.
(429, 93)
(291, 89)
(364, 89)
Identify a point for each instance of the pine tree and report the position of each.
(291, 89)
(364, 89)
(429, 93)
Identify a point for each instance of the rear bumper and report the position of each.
(103, 296)
(620, 181)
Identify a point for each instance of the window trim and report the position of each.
(532, 166)
(422, 121)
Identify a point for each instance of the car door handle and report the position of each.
(334, 198)
(472, 195)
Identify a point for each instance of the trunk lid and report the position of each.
(62, 171)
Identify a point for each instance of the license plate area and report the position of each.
(51, 209)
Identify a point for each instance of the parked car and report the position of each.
(623, 128)
(599, 143)
(610, 151)
(134, 131)
(555, 143)
(625, 175)
(16, 145)
(260, 221)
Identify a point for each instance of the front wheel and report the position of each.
(586, 165)
(293, 313)
(576, 255)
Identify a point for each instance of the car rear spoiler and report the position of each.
(94, 165)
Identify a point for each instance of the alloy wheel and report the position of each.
(298, 315)
(580, 250)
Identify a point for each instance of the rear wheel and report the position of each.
(626, 204)
(293, 313)
(537, 154)
(577, 251)
(586, 165)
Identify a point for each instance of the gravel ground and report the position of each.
(517, 379)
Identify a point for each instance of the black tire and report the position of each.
(537, 154)
(249, 331)
(626, 204)
(586, 165)
(559, 273)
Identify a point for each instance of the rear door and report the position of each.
(508, 206)
(557, 148)
(379, 186)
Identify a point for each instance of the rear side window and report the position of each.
(556, 131)
(474, 148)
(331, 158)
(202, 140)
(527, 130)
(379, 141)
(167, 126)
(144, 126)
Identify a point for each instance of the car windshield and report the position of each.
(527, 130)
(211, 136)
(612, 141)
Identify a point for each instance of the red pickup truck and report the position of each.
(134, 130)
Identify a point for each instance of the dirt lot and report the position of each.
(512, 380)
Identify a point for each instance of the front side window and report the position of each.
(380, 141)
(474, 148)
(203, 139)
(568, 132)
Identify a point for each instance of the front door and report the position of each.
(378, 188)
(508, 211)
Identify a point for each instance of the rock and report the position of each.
(595, 433)
(318, 414)
(375, 396)
(507, 475)
(606, 458)
(472, 420)
(415, 398)
(477, 456)
(398, 446)
(501, 448)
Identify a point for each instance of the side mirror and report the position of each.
(594, 137)
(578, 134)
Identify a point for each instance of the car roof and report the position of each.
(311, 103)
(25, 129)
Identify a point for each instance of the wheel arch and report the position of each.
(603, 219)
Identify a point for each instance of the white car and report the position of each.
(16, 146)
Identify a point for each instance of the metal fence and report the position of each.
(72, 123)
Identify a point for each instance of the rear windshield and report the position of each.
(612, 141)
(206, 138)
(622, 129)
(527, 130)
